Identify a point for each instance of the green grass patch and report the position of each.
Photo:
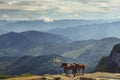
(6, 76)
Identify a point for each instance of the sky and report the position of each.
(50, 10)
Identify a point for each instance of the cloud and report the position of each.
(12, 2)
(5, 16)
(65, 9)
(62, 8)
(23, 7)
(46, 19)
(30, 5)
(77, 15)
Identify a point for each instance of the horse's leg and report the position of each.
(78, 72)
(65, 71)
(83, 72)
(68, 72)
(75, 71)
(72, 71)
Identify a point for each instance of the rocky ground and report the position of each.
(87, 76)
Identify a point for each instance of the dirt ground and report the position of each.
(87, 76)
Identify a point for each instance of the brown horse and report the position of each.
(80, 66)
(67, 67)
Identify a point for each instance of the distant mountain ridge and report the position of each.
(41, 37)
(92, 31)
(39, 25)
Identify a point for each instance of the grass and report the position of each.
(13, 76)
(26, 75)
(6, 76)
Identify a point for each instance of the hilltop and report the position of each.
(87, 76)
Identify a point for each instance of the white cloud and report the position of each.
(12, 2)
(5, 16)
(77, 15)
(62, 8)
(66, 9)
(46, 19)
(23, 7)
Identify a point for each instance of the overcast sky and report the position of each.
(50, 10)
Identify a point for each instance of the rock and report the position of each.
(110, 63)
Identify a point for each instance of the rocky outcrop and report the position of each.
(115, 54)
(110, 63)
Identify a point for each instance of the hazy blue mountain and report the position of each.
(13, 39)
(24, 43)
(93, 31)
(41, 37)
(39, 25)
(13, 43)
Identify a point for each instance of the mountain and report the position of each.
(6, 61)
(39, 25)
(110, 63)
(13, 39)
(85, 51)
(92, 31)
(41, 37)
(91, 51)
(13, 43)
(34, 65)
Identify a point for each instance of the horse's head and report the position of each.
(63, 65)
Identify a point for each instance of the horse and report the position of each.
(67, 67)
(80, 66)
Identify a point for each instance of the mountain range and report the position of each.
(39, 25)
(92, 31)
(13, 43)
(31, 43)
(73, 29)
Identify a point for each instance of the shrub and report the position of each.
(26, 75)
(5, 76)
